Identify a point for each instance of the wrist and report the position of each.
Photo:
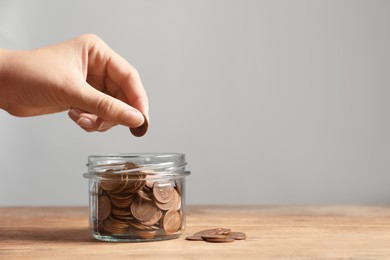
(4, 76)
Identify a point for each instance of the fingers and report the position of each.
(119, 73)
(106, 108)
(111, 90)
(89, 122)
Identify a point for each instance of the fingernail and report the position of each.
(85, 122)
(73, 114)
(105, 125)
(133, 118)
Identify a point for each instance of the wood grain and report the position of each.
(274, 232)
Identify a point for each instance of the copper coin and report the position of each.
(122, 185)
(174, 203)
(156, 217)
(133, 186)
(212, 231)
(121, 200)
(220, 240)
(134, 223)
(223, 231)
(111, 182)
(129, 165)
(104, 207)
(115, 226)
(141, 130)
(171, 222)
(143, 210)
(144, 194)
(194, 238)
(216, 236)
(118, 212)
(237, 235)
(145, 233)
(163, 191)
(149, 174)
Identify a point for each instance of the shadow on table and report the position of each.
(47, 234)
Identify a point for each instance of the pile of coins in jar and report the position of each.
(134, 205)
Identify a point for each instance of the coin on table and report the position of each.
(220, 231)
(171, 222)
(215, 236)
(194, 238)
(141, 130)
(104, 207)
(237, 235)
(163, 191)
(220, 240)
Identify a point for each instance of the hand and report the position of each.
(83, 75)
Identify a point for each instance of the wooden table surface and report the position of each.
(292, 232)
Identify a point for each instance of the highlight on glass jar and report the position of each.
(136, 197)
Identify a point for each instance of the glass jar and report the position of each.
(136, 197)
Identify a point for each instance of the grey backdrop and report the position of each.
(271, 101)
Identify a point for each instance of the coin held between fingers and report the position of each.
(141, 130)
(132, 117)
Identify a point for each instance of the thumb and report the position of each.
(109, 108)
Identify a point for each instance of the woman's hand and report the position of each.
(83, 75)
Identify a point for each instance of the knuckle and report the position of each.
(132, 75)
(89, 37)
(104, 107)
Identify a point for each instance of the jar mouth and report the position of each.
(151, 164)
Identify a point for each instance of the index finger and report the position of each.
(120, 73)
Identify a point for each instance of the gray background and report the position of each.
(273, 102)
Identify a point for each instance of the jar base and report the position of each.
(133, 239)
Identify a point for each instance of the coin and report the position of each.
(121, 200)
(220, 240)
(104, 207)
(212, 231)
(144, 194)
(122, 185)
(217, 235)
(132, 203)
(143, 210)
(118, 212)
(141, 130)
(174, 203)
(110, 182)
(171, 221)
(223, 231)
(145, 233)
(237, 235)
(115, 226)
(194, 238)
(136, 224)
(163, 191)
(154, 219)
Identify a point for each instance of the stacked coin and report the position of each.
(133, 205)
(217, 235)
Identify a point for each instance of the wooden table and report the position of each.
(293, 232)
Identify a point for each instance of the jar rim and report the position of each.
(157, 164)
